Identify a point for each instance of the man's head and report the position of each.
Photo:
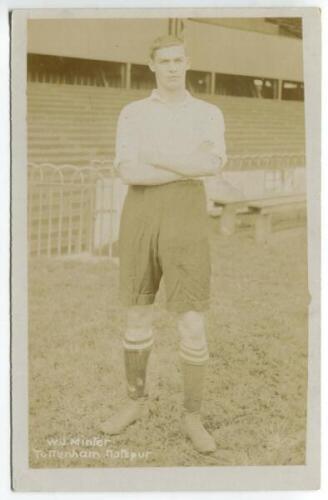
(169, 62)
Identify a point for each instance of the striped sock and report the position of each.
(137, 346)
(138, 339)
(193, 355)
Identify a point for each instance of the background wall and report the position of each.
(233, 51)
(212, 47)
(121, 40)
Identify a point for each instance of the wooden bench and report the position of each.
(264, 209)
(228, 214)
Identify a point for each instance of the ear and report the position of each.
(151, 65)
(188, 62)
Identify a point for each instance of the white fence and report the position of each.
(73, 210)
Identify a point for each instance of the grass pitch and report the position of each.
(255, 398)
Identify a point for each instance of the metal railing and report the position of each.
(72, 210)
(266, 161)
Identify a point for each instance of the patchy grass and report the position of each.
(255, 399)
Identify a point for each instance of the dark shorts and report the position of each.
(164, 232)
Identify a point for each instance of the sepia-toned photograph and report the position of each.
(167, 241)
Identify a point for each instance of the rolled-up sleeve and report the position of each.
(126, 148)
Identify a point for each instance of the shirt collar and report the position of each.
(155, 96)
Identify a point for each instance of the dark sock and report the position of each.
(193, 381)
(135, 368)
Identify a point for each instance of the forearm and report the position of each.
(145, 174)
(197, 164)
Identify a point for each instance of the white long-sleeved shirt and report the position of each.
(156, 126)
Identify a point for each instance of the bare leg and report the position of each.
(137, 344)
(194, 356)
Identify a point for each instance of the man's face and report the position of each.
(170, 65)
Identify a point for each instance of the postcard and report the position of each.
(165, 249)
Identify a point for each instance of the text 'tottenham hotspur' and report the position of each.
(87, 448)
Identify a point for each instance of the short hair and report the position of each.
(164, 41)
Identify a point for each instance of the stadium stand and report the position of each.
(76, 124)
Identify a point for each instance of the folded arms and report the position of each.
(152, 166)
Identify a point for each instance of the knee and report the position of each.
(192, 325)
(138, 334)
(138, 339)
(193, 342)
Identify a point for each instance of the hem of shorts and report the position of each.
(185, 306)
(141, 300)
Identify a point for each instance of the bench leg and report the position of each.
(228, 220)
(262, 228)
